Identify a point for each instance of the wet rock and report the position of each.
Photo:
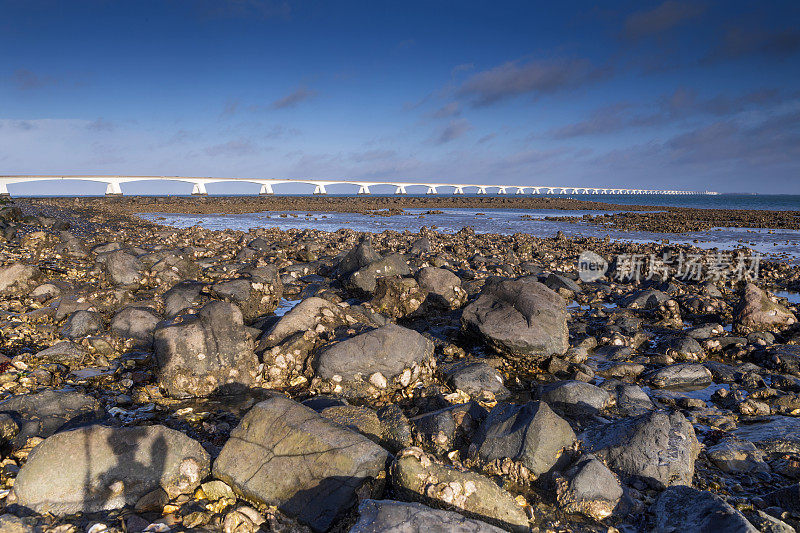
(397, 297)
(443, 287)
(385, 516)
(557, 281)
(254, 298)
(682, 348)
(768, 524)
(632, 400)
(519, 317)
(575, 398)
(124, 269)
(209, 352)
(659, 447)
(44, 413)
(787, 498)
(736, 456)
(474, 377)
(782, 357)
(757, 312)
(285, 454)
(683, 508)
(64, 352)
(421, 477)
(382, 359)
(776, 435)
(359, 257)
(364, 279)
(530, 434)
(645, 299)
(81, 324)
(588, 487)
(17, 278)
(137, 323)
(102, 468)
(395, 428)
(681, 375)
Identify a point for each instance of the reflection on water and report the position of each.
(503, 221)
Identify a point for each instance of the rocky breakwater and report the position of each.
(155, 379)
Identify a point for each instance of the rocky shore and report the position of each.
(159, 379)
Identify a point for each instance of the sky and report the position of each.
(668, 95)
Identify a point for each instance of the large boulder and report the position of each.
(124, 269)
(588, 487)
(756, 312)
(285, 454)
(137, 323)
(519, 317)
(17, 278)
(683, 508)
(659, 447)
(443, 287)
(364, 279)
(308, 315)
(199, 354)
(530, 435)
(575, 398)
(397, 297)
(254, 297)
(682, 375)
(388, 516)
(386, 358)
(97, 468)
(44, 413)
(359, 257)
(420, 477)
(81, 324)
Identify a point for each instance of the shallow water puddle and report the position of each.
(285, 306)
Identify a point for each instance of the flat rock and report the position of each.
(387, 516)
(575, 398)
(757, 312)
(137, 323)
(420, 477)
(659, 447)
(682, 508)
(681, 375)
(777, 435)
(285, 454)
(519, 317)
(97, 468)
(307, 315)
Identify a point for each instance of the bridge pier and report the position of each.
(431, 190)
(266, 189)
(481, 190)
(320, 189)
(458, 190)
(199, 189)
(4, 189)
(400, 190)
(113, 189)
(501, 190)
(363, 189)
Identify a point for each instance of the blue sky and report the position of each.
(688, 95)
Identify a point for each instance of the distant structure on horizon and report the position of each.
(113, 185)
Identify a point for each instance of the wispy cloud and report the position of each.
(534, 78)
(101, 125)
(455, 129)
(662, 18)
(742, 41)
(27, 80)
(236, 148)
(295, 97)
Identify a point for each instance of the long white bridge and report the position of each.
(113, 185)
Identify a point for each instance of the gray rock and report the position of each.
(44, 413)
(98, 468)
(658, 447)
(683, 508)
(530, 434)
(756, 312)
(588, 487)
(768, 524)
(391, 351)
(444, 287)
(387, 516)
(681, 375)
(556, 281)
(449, 428)
(645, 299)
(575, 398)
(123, 268)
(420, 477)
(519, 317)
(359, 257)
(364, 278)
(784, 358)
(736, 456)
(200, 354)
(474, 377)
(184, 295)
(776, 435)
(64, 352)
(254, 298)
(285, 454)
(11, 524)
(395, 428)
(82, 324)
(632, 400)
(17, 278)
(138, 323)
(682, 348)
(305, 316)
